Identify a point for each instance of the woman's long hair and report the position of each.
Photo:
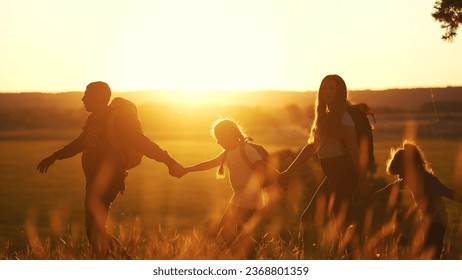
(328, 119)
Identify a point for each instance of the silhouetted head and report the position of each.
(96, 96)
(228, 133)
(332, 91)
(407, 160)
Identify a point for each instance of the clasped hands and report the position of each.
(176, 170)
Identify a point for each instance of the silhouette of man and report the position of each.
(103, 166)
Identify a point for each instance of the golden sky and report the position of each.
(206, 45)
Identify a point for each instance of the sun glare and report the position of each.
(196, 51)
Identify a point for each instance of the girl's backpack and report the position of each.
(271, 172)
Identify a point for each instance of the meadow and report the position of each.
(160, 217)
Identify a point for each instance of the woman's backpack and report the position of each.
(360, 114)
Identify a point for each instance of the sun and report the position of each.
(198, 48)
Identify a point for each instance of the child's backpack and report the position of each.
(120, 107)
(360, 114)
(270, 172)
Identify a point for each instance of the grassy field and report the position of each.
(160, 217)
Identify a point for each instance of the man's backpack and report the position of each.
(271, 172)
(123, 108)
(360, 114)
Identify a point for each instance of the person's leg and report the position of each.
(98, 199)
(227, 226)
(343, 179)
(235, 229)
(96, 215)
(315, 217)
(434, 240)
(243, 246)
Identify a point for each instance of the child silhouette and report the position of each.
(408, 163)
(238, 219)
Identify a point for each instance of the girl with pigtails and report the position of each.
(239, 218)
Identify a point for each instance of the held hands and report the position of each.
(43, 166)
(176, 170)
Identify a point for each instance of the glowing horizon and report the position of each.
(204, 46)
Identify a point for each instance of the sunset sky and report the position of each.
(206, 45)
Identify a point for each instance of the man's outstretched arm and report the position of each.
(131, 134)
(70, 150)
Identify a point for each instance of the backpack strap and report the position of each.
(365, 122)
(363, 107)
(244, 155)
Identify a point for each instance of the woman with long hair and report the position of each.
(333, 139)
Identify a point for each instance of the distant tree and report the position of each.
(449, 13)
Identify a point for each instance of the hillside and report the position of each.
(404, 99)
(408, 99)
